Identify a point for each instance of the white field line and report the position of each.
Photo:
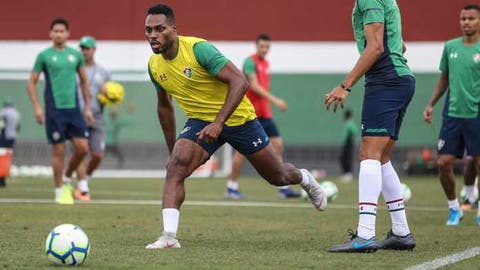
(450, 259)
(209, 203)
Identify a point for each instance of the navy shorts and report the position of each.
(458, 135)
(384, 106)
(246, 139)
(269, 126)
(64, 124)
(6, 143)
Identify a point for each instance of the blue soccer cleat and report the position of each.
(478, 220)
(454, 217)
(357, 244)
(288, 193)
(234, 194)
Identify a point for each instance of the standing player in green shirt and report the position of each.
(460, 67)
(389, 87)
(63, 118)
(350, 133)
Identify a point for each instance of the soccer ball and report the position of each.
(406, 192)
(330, 189)
(463, 193)
(67, 244)
(114, 96)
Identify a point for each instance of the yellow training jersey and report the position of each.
(198, 93)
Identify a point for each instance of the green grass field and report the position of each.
(215, 233)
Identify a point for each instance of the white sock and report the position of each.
(83, 185)
(369, 187)
(305, 178)
(58, 192)
(392, 194)
(470, 193)
(66, 180)
(453, 204)
(232, 184)
(170, 220)
(478, 212)
(283, 187)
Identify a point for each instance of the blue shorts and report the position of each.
(246, 139)
(64, 124)
(458, 135)
(269, 126)
(384, 106)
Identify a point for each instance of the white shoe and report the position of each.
(315, 192)
(166, 240)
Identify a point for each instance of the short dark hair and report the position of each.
(263, 36)
(59, 20)
(472, 6)
(162, 9)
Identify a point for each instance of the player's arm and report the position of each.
(85, 88)
(221, 68)
(237, 86)
(166, 117)
(165, 113)
(32, 93)
(440, 89)
(373, 50)
(249, 71)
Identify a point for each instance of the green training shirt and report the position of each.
(391, 64)
(462, 63)
(60, 68)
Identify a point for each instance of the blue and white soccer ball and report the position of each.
(406, 192)
(67, 244)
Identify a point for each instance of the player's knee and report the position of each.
(177, 166)
(97, 155)
(444, 164)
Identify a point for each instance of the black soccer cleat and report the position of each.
(397, 242)
(356, 244)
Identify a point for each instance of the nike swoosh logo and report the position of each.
(362, 245)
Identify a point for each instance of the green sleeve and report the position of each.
(373, 11)
(38, 66)
(209, 57)
(249, 67)
(81, 61)
(444, 60)
(157, 85)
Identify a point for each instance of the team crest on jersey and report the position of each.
(476, 58)
(71, 58)
(188, 72)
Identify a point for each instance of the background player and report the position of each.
(257, 70)
(211, 92)
(350, 133)
(389, 87)
(460, 67)
(9, 127)
(97, 77)
(63, 118)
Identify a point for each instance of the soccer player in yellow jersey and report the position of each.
(211, 92)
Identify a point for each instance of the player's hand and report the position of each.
(337, 96)
(209, 133)
(427, 114)
(280, 104)
(89, 117)
(39, 115)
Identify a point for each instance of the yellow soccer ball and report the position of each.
(114, 96)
